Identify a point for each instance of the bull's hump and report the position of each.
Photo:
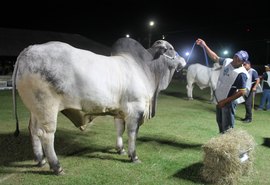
(55, 44)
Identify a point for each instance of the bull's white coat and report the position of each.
(203, 77)
(55, 77)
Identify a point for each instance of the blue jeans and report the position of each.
(225, 117)
(265, 100)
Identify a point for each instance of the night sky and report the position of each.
(228, 24)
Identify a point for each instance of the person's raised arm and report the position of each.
(213, 56)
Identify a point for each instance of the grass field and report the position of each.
(169, 145)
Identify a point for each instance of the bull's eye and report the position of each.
(158, 42)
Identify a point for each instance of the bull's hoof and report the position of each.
(60, 171)
(41, 163)
(122, 152)
(190, 98)
(137, 161)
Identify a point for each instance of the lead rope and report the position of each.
(205, 54)
(206, 62)
(191, 51)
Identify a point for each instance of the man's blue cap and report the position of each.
(247, 62)
(242, 55)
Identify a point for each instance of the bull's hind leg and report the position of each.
(45, 127)
(120, 128)
(48, 145)
(36, 143)
(48, 128)
(189, 88)
(43, 103)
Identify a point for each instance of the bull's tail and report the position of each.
(17, 131)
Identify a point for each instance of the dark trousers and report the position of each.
(225, 116)
(249, 101)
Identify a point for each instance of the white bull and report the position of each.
(55, 77)
(202, 76)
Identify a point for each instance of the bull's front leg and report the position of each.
(133, 128)
(211, 95)
(189, 88)
(120, 128)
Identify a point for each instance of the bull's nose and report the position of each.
(181, 65)
(183, 62)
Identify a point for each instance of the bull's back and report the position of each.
(198, 74)
(44, 72)
(59, 72)
(49, 63)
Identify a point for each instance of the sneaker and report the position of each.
(259, 109)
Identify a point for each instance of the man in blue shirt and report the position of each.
(265, 100)
(252, 83)
(231, 85)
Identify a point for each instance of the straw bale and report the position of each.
(228, 157)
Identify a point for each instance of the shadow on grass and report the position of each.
(266, 141)
(211, 108)
(191, 173)
(16, 151)
(102, 153)
(40, 172)
(174, 94)
(169, 142)
(184, 96)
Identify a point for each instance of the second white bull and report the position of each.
(202, 76)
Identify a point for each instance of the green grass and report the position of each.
(169, 145)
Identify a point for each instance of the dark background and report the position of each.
(231, 25)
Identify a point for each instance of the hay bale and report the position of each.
(228, 157)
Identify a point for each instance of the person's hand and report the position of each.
(222, 103)
(200, 42)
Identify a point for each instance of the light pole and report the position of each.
(151, 24)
